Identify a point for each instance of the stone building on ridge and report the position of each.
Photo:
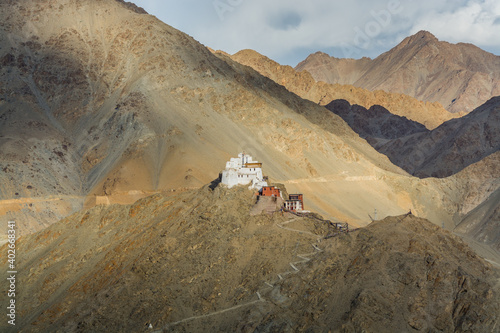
(243, 170)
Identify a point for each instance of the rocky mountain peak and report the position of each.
(423, 35)
(458, 76)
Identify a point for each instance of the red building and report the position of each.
(269, 191)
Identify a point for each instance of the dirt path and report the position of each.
(37, 200)
(260, 299)
(305, 257)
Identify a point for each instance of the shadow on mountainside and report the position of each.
(441, 152)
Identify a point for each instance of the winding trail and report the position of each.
(305, 257)
(260, 299)
(280, 225)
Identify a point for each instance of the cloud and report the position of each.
(284, 20)
(475, 22)
(286, 30)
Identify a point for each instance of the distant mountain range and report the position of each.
(396, 130)
(459, 76)
(440, 152)
(303, 84)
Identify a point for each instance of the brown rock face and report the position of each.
(199, 262)
(459, 76)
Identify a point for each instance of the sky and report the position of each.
(287, 31)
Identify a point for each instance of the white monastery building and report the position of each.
(243, 171)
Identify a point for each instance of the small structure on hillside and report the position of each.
(295, 202)
(243, 170)
(269, 200)
(271, 191)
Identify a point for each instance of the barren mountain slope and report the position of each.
(304, 85)
(459, 76)
(483, 223)
(474, 219)
(97, 98)
(450, 147)
(101, 99)
(396, 275)
(376, 123)
(199, 262)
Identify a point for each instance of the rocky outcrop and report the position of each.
(133, 6)
(458, 76)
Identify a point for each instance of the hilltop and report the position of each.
(399, 274)
(198, 262)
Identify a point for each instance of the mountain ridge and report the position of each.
(440, 152)
(304, 85)
(459, 76)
